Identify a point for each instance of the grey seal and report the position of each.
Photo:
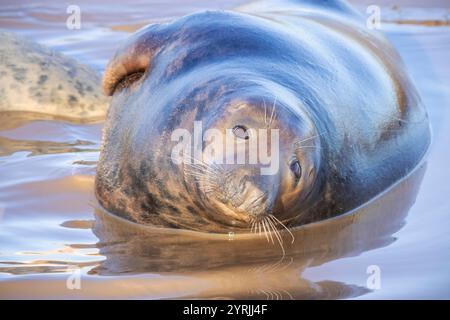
(37, 79)
(351, 122)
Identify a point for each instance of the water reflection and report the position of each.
(45, 222)
(246, 266)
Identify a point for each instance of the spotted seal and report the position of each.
(350, 121)
(37, 79)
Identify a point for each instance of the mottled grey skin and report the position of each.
(37, 79)
(345, 108)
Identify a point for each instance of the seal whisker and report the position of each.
(209, 175)
(205, 182)
(255, 202)
(274, 294)
(208, 185)
(275, 230)
(252, 228)
(211, 165)
(267, 295)
(278, 294)
(309, 138)
(196, 173)
(209, 170)
(270, 266)
(289, 295)
(269, 229)
(279, 238)
(259, 228)
(265, 112)
(204, 168)
(270, 292)
(201, 175)
(200, 167)
(273, 111)
(265, 230)
(210, 190)
(201, 162)
(286, 228)
(287, 265)
(204, 178)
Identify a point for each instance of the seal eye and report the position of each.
(241, 132)
(296, 169)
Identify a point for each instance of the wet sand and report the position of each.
(52, 230)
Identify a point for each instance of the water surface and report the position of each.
(52, 230)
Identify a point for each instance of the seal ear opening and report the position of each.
(128, 80)
(123, 70)
(131, 60)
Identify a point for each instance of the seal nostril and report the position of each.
(296, 168)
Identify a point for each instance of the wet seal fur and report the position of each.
(34, 78)
(351, 122)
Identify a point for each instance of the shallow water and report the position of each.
(52, 232)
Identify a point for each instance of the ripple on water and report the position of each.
(52, 229)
